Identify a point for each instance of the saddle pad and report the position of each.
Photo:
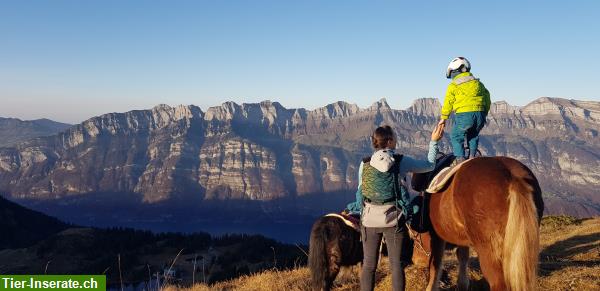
(348, 220)
(440, 180)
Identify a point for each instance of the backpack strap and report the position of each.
(398, 159)
(397, 182)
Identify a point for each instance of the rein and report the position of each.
(419, 242)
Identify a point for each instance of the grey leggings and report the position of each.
(396, 241)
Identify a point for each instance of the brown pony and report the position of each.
(494, 205)
(333, 245)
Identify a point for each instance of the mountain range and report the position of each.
(263, 153)
(13, 130)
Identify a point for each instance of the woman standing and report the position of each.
(383, 201)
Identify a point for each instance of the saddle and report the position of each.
(423, 182)
(441, 179)
(420, 222)
(348, 219)
(420, 181)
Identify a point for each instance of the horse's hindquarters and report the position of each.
(474, 207)
(446, 222)
(493, 205)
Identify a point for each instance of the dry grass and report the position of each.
(570, 260)
(293, 280)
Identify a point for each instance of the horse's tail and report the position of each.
(317, 255)
(521, 238)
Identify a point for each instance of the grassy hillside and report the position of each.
(22, 227)
(141, 254)
(34, 243)
(570, 260)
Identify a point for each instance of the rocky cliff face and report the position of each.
(558, 140)
(265, 152)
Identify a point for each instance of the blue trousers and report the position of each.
(467, 125)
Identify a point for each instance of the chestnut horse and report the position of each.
(494, 205)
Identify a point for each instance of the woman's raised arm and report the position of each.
(412, 165)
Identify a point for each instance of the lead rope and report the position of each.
(419, 242)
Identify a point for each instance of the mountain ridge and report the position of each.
(264, 151)
(14, 130)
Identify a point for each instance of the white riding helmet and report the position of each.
(458, 63)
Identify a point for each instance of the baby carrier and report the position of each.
(382, 192)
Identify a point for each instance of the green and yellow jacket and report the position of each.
(466, 94)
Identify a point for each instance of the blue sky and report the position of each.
(70, 60)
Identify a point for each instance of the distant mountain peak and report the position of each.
(587, 110)
(554, 100)
(503, 107)
(167, 113)
(269, 103)
(380, 105)
(161, 107)
(225, 111)
(426, 107)
(270, 106)
(337, 109)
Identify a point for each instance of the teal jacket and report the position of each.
(407, 165)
